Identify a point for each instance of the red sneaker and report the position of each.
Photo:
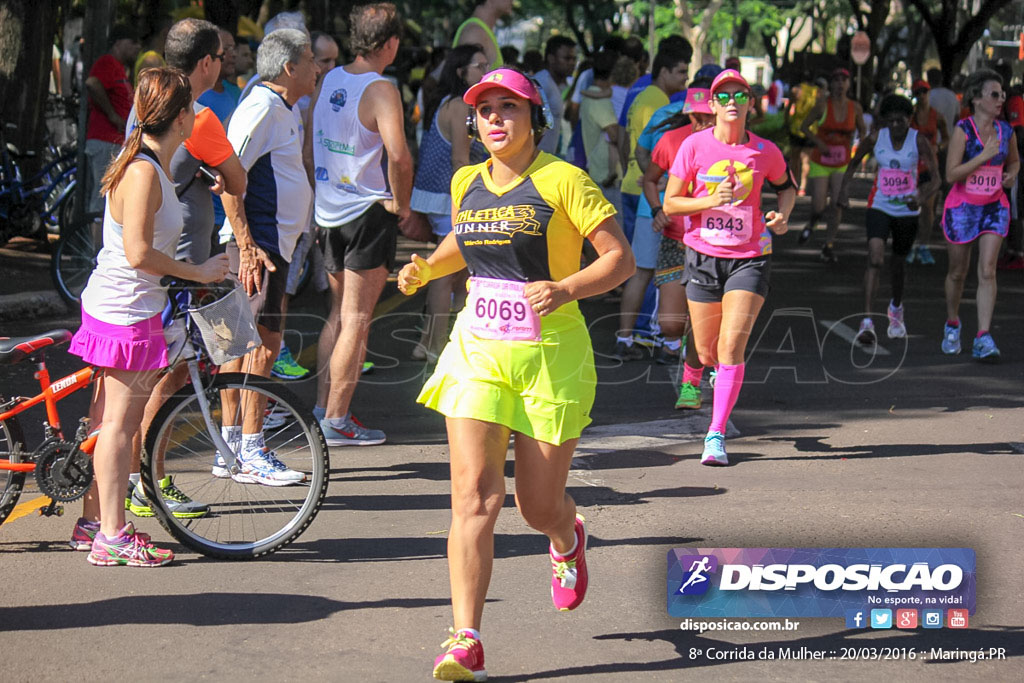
(463, 659)
(569, 574)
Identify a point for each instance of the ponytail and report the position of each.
(118, 167)
(162, 94)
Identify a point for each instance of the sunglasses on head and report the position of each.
(724, 98)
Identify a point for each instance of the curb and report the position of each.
(31, 305)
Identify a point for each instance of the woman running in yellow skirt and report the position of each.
(519, 359)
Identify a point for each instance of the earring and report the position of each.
(181, 133)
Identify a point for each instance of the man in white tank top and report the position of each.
(362, 174)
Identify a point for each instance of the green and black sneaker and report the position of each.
(180, 505)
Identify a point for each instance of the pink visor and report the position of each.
(508, 79)
(697, 101)
(729, 76)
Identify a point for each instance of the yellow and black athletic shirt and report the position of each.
(530, 230)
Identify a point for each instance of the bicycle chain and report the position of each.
(60, 485)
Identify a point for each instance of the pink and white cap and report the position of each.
(697, 101)
(728, 76)
(510, 80)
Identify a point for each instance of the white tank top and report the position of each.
(350, 161)
(351, 164)
(893, 165)
(117, 293)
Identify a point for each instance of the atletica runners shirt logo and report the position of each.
(823, 582)
(504, 220)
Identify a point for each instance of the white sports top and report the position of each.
(351, 163)
(117, 293)
(904, 160)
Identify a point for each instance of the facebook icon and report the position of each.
(855, 618)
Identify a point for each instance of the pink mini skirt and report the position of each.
(138, 347)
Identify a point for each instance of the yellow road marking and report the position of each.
(27, 508)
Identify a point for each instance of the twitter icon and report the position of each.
(881, 618)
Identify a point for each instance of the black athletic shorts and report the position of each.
(366, 243)
(708, 278)
(902, 228)
(268, 303)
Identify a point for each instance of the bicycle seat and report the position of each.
(16, 349)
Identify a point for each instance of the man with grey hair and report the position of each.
(265, 132)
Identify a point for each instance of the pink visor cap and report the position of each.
(510, 80)
(697, 101)
(728, 76)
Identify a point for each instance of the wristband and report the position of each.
(655, 211)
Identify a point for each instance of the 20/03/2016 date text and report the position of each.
(865, 653)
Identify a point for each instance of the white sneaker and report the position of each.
(220, 469)
(255, 468)
(897, 330)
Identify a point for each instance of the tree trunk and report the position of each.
(953, 41)
(697, 35)
(27, 30)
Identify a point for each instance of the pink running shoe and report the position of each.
(128, 547)
(569, 574)
(463, 660)
(85, 531)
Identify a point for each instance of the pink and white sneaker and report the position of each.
(83, 534)
(127, 548)
(463, 659)
(569, 574)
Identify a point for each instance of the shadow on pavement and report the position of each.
(823, 451)
(1011, 638)
(197, 609)
(584, 496)
(440, 471)
(436, 547)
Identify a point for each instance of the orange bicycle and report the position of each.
(245, 519)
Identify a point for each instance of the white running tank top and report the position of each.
(350, 160)
(905, 160)
(117, 293)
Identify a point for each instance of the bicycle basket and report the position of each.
(227, 326)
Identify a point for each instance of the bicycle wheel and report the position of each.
(73, 261)
(11, 438)
(245, 520)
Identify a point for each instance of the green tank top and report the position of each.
(494, 39)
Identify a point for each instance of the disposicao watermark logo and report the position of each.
(696, 580)
(817, 582)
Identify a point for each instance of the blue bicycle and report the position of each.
(38, 204)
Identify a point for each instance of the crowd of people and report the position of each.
(543, 182)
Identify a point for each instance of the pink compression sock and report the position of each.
(727, 389)
(692, 375)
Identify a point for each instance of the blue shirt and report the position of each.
(638, 88)
(222, 103)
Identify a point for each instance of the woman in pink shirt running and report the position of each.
(716, 179)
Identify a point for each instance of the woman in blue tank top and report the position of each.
(445, 148)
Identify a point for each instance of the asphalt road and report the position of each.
(832, 447)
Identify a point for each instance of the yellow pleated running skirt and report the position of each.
(543, 389)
